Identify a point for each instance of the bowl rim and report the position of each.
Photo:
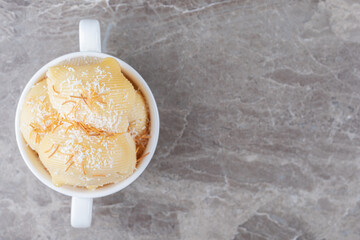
(151, 147)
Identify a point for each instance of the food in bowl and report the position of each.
(88, 123)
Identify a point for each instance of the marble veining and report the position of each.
(260, 119)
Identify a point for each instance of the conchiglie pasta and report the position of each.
(35, 118)
(138, 115)
(97, 94)
(77, 159)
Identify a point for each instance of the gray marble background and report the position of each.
(260, 120)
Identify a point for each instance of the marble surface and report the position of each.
(260, 120)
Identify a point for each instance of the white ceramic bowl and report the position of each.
(82, 198)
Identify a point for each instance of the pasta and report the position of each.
(138, 116)
(78, 159)
(37, 116)
(99, 91)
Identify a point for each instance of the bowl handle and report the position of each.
(81, 212)
(89, 35)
